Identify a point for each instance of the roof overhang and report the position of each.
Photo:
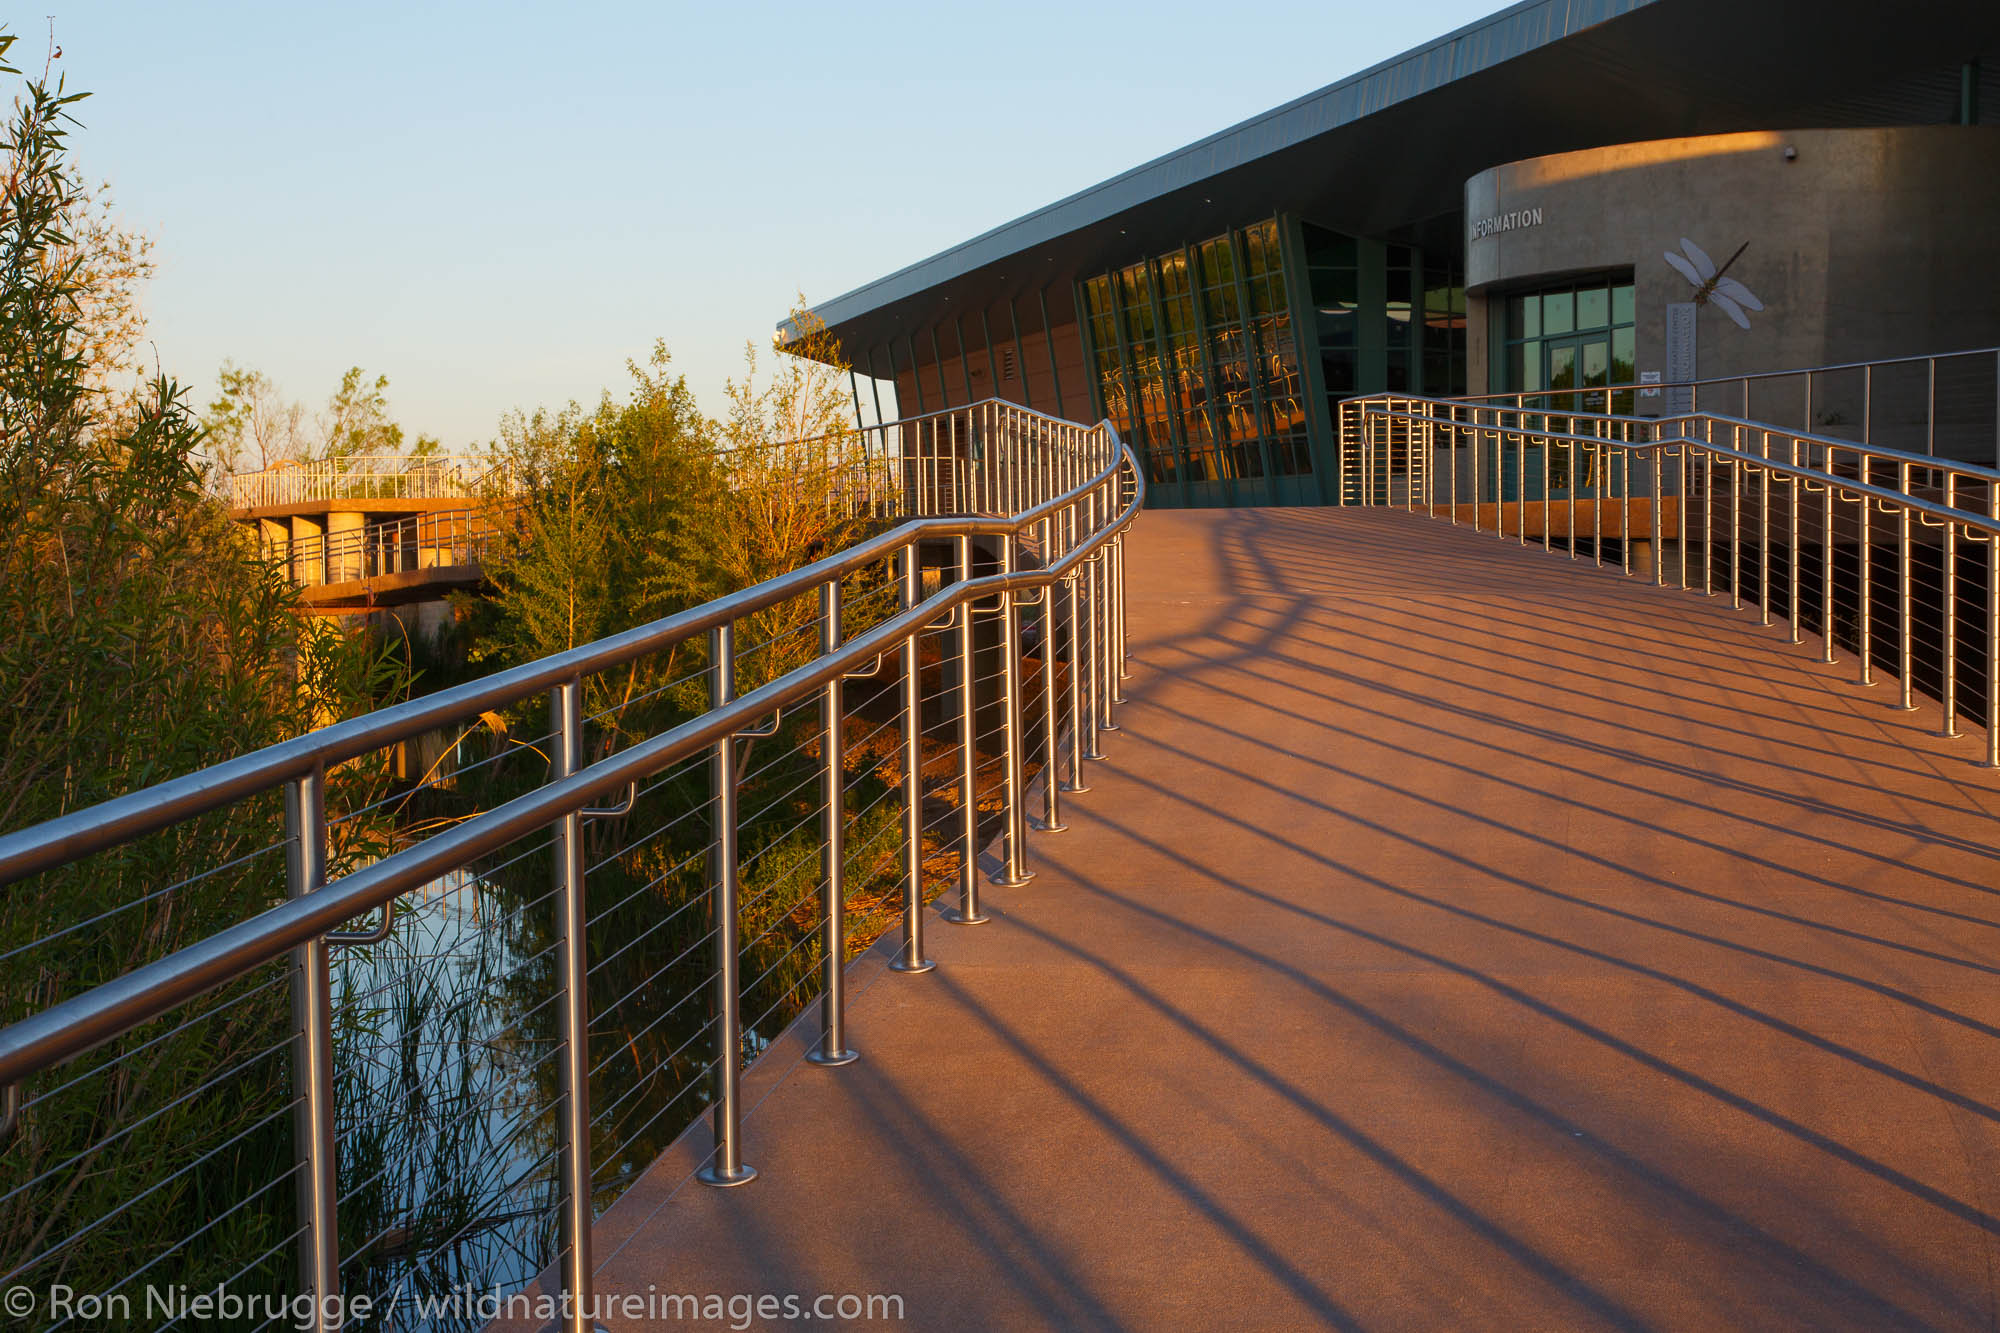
(1387, 151)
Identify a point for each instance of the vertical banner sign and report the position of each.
(1680, 356)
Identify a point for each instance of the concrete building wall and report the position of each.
(1863, 244)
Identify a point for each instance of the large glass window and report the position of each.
(1443, 336)
(1400, 331)
(1196, 362)
(1575, 336)
(1107, 351)
(1232, 401)
(1387, 317)
(1333, 269)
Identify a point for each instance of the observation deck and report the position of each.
(1585, 922)
(1456, 937)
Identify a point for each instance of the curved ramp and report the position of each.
(1460, 938)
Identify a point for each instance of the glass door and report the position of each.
(1553, 346)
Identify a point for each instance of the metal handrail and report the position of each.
(457, 537)
(1811, 377)
(1369, 405)
(121, 819)
(1090, 489)
(1830, 368)
(1372, 405)
(74, 1026)
(1841, 485)
(382, 476)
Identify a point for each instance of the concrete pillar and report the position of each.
(274, 536)
(438, 539)
(308, 551)
(343, 544)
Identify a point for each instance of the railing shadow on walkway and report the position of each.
(1308, 895)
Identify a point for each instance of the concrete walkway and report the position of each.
(1458, 937)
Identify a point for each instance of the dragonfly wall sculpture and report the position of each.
(1712, 285)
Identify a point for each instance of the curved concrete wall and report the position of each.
(1864, 244)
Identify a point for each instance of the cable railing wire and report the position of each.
(993, 480)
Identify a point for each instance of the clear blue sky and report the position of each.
(497, 205)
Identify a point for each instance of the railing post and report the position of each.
(1791, 563)
(1118, 654)
(727, 1167)
(1904, 632)
(1547, 445)
(1625, 510)
(314, 1149)
(967, 912)
(1429, 425)
(1014, 815)
(1051, 821)
(1867, 582)
(1077, 667)
(1569, 484)
(1950, 689)
(1367, 462)
(572, 980)
(832, 1048)
(1452, 433)
(911, 958)
(1826, 562)
(1477, 479)
(1993, 629)
(1659, 560)
(1736, 520)
(1521, 488)
(1763, 526)
(1930, 412)
(1100, 617)
(1601, 469)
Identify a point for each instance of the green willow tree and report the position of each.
(140, 638)
(616, 521)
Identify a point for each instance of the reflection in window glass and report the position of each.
(1596, 363)
(1188, 345)
(1558, 312)
(1575, 335)
(1562, 365)
(1593, 308)
(1623, 369)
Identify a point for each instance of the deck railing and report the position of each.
(1945, 404)
(364, 477)
(986, 459)
(1891, 555)
(947, 661)
(452, 538)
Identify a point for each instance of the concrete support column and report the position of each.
(273, 536)
(344, 559)
(308, 551)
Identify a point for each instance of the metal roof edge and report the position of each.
(1476, 46)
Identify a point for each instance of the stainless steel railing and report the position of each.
(368, 477)
(1944, 404)
(1789, 521)
(1048, 566)
(448, 539)
(991, 458)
